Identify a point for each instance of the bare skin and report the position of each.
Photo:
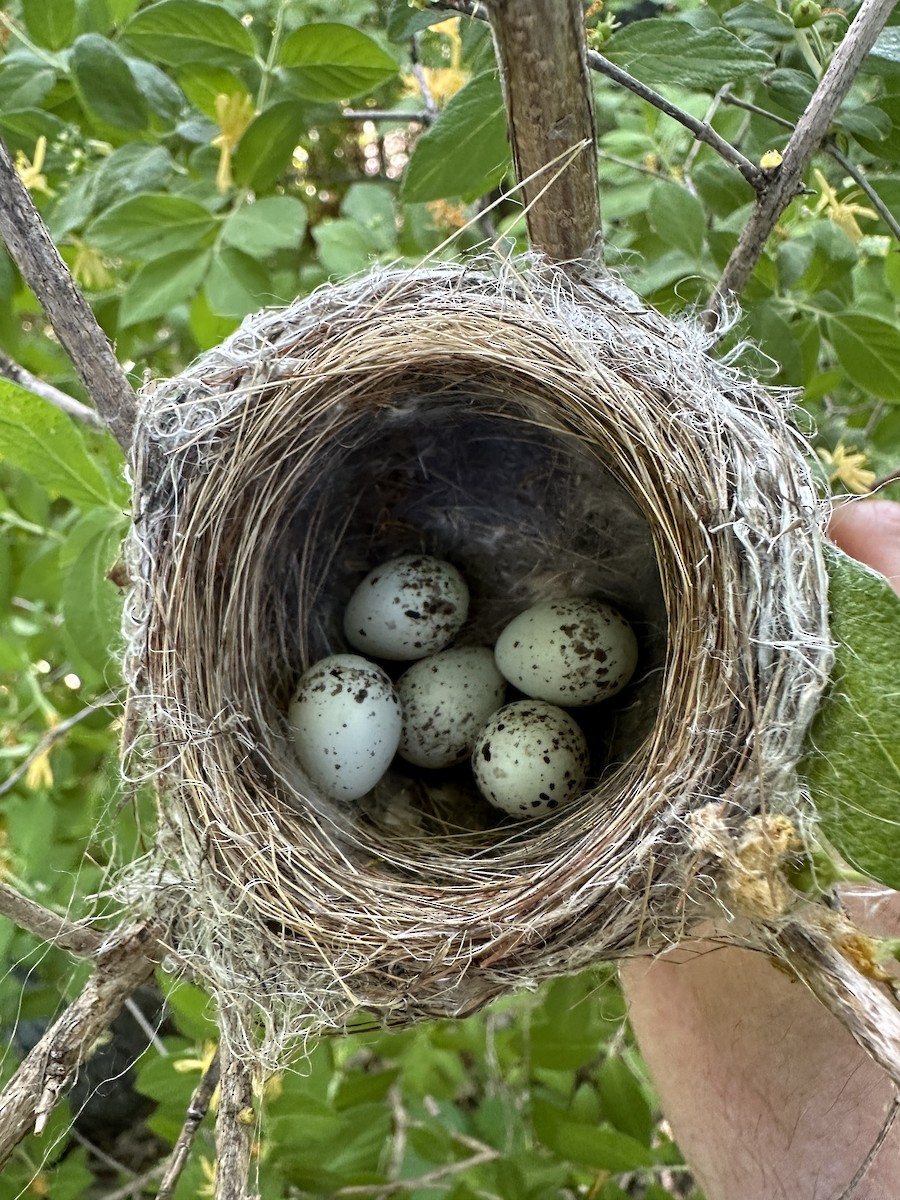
(768, 1096)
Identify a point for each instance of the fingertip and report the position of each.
(869, 530)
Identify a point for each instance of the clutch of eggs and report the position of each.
(529, 758)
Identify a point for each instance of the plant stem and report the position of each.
(803, 143)
(550, 109)
(73, 322)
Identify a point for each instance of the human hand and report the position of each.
(767, 1094)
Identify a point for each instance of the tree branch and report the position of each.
(68, 404)
(69, 313)
(47, 926)
(550, 109)
(804, 141)
(31, 1095)
(388, 114)
(197, 1110)
(234, 1128)
(702, 131)
(857, 1002)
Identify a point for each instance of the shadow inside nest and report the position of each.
(526, 512)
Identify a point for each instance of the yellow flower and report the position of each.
(843, 214)
(30, 171)
(443, 82)
(447, 215)
(89, 268)
(848, 467)
(209, 1173)
(233, 113)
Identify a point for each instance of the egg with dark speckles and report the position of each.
(571, 652)
(446, 699)
(345, 721)
(530, 759)
(407, 608)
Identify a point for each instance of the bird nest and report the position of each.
(550, 438)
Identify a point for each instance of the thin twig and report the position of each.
(863, 184)
(387, 114)
(11, 370)
(197, 1110)
(737, 102)
(831, 148)
(33, 1092)
(69, 313)
(850, 1190)
(147, 1029)
(234, 1128)
(886, 481)
(809, 133)
(47, 926)
(703, 132)
(421, 78)
(137, 1186)
(51, 737)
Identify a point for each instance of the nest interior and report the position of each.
(551, 439)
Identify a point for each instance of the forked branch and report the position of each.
(809, 133)
(33, 1092)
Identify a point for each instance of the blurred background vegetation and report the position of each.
(195, 161)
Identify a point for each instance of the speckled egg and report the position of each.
(530, 759)
(407, 608)
(570, 652)
(446, 699)
(345, 719)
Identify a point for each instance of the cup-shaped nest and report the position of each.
(550, 439)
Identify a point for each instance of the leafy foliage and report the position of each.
(195, 160)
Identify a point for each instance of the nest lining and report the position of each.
(550, 438)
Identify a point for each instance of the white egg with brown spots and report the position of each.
(407, 608)
(571, 652)
(530, 759)
(446, 699)
(345, 721)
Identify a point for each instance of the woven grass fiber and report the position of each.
(550, 438)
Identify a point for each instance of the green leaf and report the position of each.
(677, 217)
(344, 249)
(151, 226)
(236, 284)
(49, 22)
(91, 604)
(161, 284)
(660, 51)
(597, 1146)
(624, 1104)
(887, 45)
(273, 223)
(23, 84)
(869, 351)
(403, 19)
(466, 150)
(264, 152)
(372, 206)
(134, 167)
(48, 444)
(334, 62)
(184, 31)
(164, 98)
(105, 85)
(202, 84)
(853, 768)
